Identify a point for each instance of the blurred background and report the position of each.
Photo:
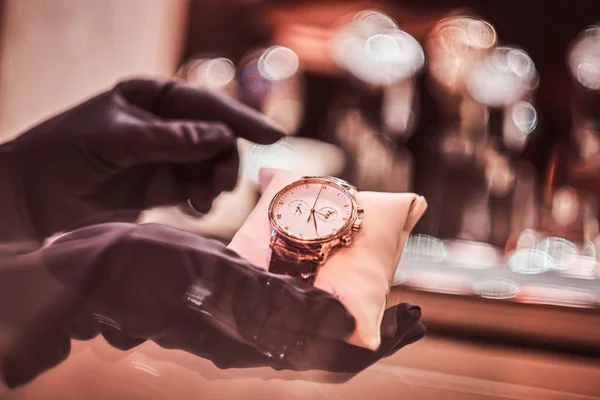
(489, 109)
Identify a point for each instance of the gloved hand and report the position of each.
(142, 144)
(133, 283)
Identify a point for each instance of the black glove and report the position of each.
(142, 144)
(133, 283)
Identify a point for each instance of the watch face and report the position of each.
(312, 209)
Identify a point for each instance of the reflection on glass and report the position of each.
(556, 295)
(301, 155)
(474, 255)
(497, 289)
(583, 265)
(530, 261)
(563, 252)
(527, 239)
(439, 282)
(424, 248)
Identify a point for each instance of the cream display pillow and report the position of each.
(359, 275)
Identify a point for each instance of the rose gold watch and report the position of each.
(311, 218)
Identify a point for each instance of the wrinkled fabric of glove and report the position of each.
(132, 283)
(142, 144)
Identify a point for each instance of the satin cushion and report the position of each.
(359, 275)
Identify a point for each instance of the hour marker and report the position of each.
(345, 205)
(324, 187)
(345, 219)
(286, 227)
(281, 202)
(278, 216)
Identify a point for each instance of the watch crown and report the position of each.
(346, 240)
(357, 224)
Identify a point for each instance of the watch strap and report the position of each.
(293, 259)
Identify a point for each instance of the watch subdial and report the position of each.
(298, 207)
(327, 214)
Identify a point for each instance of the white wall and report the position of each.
(56, 52)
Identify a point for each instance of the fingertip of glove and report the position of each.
(143, 92)
(140, 83)
(400, 318)
(271, 133)
(414, 310)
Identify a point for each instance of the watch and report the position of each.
(311, 218)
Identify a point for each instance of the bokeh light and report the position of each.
(565, 206)
(563, 252)
(278, 63)
(584, 58)
(455, 45)
(424, 248)
(502, 78)
(524, 117)
(375, 50)
(497, 289)
(209, 73)
(530, 261)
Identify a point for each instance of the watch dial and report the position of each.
(313, 210)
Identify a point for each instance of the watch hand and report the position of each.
(312, 210)
(329, 214)
(315, 222)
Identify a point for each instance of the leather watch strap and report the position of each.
(299, 261)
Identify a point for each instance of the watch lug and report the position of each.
(357, 224)
(325, 251)
(272, 236)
